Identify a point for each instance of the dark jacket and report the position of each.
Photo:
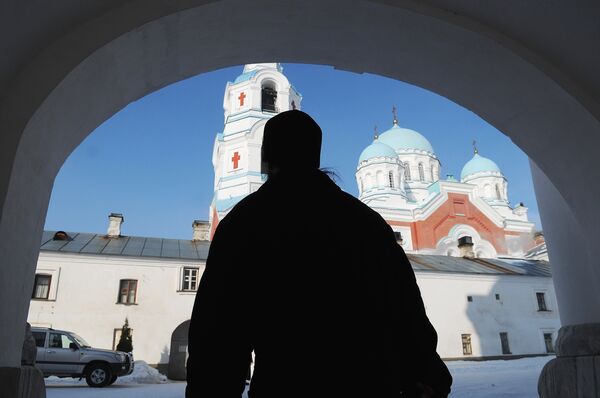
(314, 282)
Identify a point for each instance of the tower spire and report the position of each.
(475, 151)
(395, 115)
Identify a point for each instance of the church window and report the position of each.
(466, 344)
(421, 172)
(497, 296)
(391, 179)
(190, 279)
(269, 98)
(498, 196)
(127, 291)
(541, 301)
(431, 170)
(41, 287)
(548, 342)
(61, 235)
(504, 343)
(407, 171)
(470, 299)
(398, 236)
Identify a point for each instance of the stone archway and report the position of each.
(128, 49)
(179, 352)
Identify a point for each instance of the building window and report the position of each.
(504, 343)
(432, 177)
(497, 296)
(498, 196)
(269, 99)
(190, 279)
(548, 342)
(421, 172)
(41, 287)
(398, 236)
(127, 291)
(470, 299)
(391, 179)
(541, 300)
(407, 171)
(466, 344)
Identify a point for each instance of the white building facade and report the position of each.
(89, 284)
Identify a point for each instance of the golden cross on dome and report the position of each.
(395, 114)
(475, 151)
(376, 133)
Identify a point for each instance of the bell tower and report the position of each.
(259, 93)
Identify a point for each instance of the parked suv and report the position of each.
(65, 354)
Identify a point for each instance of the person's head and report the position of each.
(291, 142)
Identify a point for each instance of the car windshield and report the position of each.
(80, 341)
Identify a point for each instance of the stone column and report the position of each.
(574, 253)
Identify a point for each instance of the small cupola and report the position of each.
(465, 245)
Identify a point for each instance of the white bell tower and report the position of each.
(259, 93)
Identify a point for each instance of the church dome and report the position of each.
(377, 150)
(478, 164)
(405, 139)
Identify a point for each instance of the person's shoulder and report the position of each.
(363, 212)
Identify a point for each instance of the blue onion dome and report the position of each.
(402, 139)
(478, 164)
(377, 150)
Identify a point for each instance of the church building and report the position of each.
(486, 284)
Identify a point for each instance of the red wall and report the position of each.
(456, 210)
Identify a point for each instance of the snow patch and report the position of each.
(143, 374)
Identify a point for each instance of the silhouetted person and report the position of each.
(314, 282)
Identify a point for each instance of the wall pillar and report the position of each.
(573, 251)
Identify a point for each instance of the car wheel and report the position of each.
(112, 380)
(98, 375)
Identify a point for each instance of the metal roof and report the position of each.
(133, 246)
(488, 266)
(137, 246)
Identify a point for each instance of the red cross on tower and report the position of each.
(241, 98)
(235, 159)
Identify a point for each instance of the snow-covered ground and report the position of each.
(490, 379)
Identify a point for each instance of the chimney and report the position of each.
(465, 245)
(114, 225)
(201, 230)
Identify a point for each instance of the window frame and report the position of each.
(467, 344)
(391, 178)
(544, 334)
(407, 176)
(119, 293)
(183, 276)
(505, 343)
(35, 285)
(543, 301)
(421, 172)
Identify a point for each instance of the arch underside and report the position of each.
(114, 64)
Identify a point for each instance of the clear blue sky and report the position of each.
(152, 160)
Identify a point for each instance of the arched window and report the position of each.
(498, 195)
(360, 185)
(368, 181)
(391, 179)
(407, 171)
(421, 172)
(269, 97)
(431, 170)
(380, 179)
